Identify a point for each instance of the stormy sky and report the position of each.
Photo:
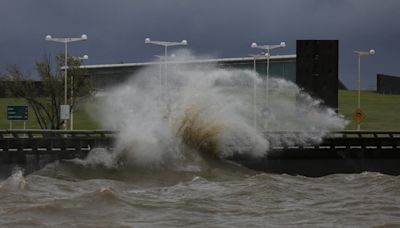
(221, 28)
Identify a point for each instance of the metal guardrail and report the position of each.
(48, 140)
(345, 134)
(33, 133)
(18, 133)
(336, 138)
(83, 138)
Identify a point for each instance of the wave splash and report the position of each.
(205, 110)
(16, 181)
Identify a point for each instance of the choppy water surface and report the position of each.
(206, 195)
(166, 169)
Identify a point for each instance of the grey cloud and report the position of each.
(116, 29)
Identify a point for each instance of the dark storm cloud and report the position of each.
(225, 28)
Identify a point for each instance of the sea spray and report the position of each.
(208, 110)
(16, 181)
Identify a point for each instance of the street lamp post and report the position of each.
(72, 92)
(161, 59)
(359, 54)
(166, 44)
(267, 48)
(255, 56)
(66, 41)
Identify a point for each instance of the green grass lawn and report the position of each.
(382, 112)
(82, 119)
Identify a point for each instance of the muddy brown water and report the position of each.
(68, 194)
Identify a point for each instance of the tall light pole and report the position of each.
(255, 56)
(72, 92)
(359, 54)
(166, 44)
(66, 41)
(267, 48)
(161, 59)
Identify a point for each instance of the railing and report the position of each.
(47, 140)
(345, 134)
(336, 140)
(77, 139)
(100, 133)
(6, 134)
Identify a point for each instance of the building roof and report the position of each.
(220, 61)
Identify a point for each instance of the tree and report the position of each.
(46, 96)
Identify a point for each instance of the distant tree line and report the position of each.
(6, 88)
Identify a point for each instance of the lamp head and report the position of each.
(85, 57)
(184, 42)
(372, 51)
(48, 37)
(253, 45)
(283, 44)
(147, 40)
(173, 55)
(84, 37)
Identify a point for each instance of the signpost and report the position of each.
(17, 112)
(358, 116)
(64, 112)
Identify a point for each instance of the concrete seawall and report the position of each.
(340, 152)
(33, 149)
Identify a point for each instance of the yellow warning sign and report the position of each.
(358, 115)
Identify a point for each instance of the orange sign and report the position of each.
(359, 116)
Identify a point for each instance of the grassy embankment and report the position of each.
(82, 119)
(382, 112)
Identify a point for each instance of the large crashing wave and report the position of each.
(163, 117)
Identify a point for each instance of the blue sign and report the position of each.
(17, 112)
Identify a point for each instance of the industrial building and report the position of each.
(387, 84)
(108, 75)
(314, 67)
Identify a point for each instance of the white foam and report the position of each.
(16, 180)
(149, 111)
